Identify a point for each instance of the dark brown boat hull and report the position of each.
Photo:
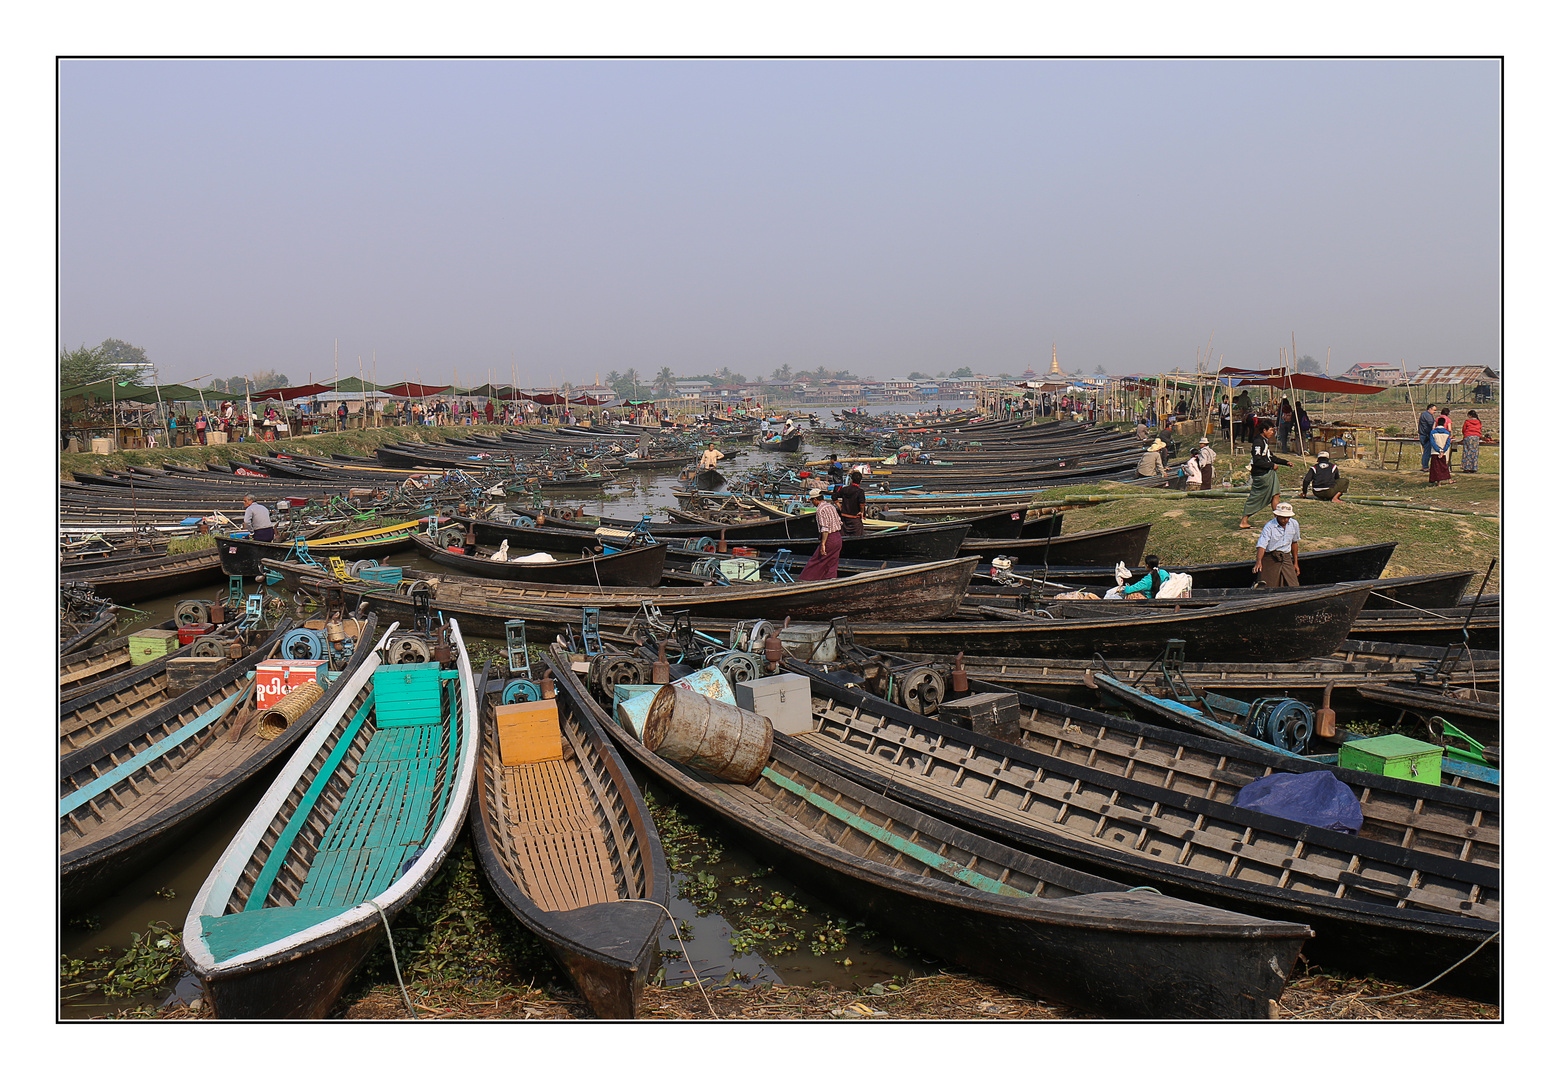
(637, 567)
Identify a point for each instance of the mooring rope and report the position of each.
(683, 945)
(1438, 978)
(393, 961)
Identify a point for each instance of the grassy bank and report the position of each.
(1442, 528)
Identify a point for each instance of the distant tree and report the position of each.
(1100, 369)
(631, 377)
(122, 352)
(918, 376)
(613, 378)
(84, 365)
(962, 373)
(783, 372)
(664, 379)
(822, 372)
(1306, 363)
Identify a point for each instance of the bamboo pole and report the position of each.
(363, 391)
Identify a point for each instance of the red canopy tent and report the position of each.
(291, 393)
(411, 389)
(1298, 381)
(547, 399)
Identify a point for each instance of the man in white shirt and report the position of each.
(1278, 549)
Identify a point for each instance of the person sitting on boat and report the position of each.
(825, 562)
(852, 506)
(1151, 463)
(708, 459)
(1324, 480)
(257, 520)
(1278, 549)
(1150, 582)
(836, 471)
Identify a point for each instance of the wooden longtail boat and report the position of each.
(1093, 547)
(1473, 709)
(129, 797)
(925, 590)
(75, 636)
(244, 555)
(1444, 626)
(570, 850)
(1376, 907)
(90, 670)
(1329, 566)
(360, 818)
(1456, 821)
(913, 544)
(1046, 929)
(1218, 717)
(1277, 625)
(168, 574)
(1353, 665)
(635, 567)
(122, 701)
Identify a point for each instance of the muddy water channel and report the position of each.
(736, 919)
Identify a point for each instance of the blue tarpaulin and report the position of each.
(1313, 798)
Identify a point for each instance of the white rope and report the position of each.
(393, 961)
(1439, 977)
(689, 960)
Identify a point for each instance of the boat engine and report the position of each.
(1286, 723)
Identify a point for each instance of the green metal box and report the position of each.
(1393, 755)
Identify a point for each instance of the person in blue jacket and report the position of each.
(1150, 582)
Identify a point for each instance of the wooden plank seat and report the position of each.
(560, 851)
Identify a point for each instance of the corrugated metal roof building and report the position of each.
(1454, 375)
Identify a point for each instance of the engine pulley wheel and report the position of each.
(407, 649)
(921, 691)
(209, 645)
(190, 612)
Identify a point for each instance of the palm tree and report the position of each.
(664, 378)
(632, 376)
(783, 372)
(823, 372)
(613, 378)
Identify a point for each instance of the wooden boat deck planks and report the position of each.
(568, 846)
(1047, 929)
(1413, 913)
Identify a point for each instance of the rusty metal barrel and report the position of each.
(728, 742)
(276, 719)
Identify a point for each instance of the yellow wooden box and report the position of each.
(528, 732)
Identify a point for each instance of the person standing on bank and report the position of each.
(1441, 453)
(1324, 479)
(257, 520)
(1278, 550)
(1201, 464)
(1426, 429)
(852, 507)
(1264, 481)
(825, 562)
(1472, 432)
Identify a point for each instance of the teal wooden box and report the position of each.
(406, 694)
(1393, 755)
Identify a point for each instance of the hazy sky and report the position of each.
(568, 218)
